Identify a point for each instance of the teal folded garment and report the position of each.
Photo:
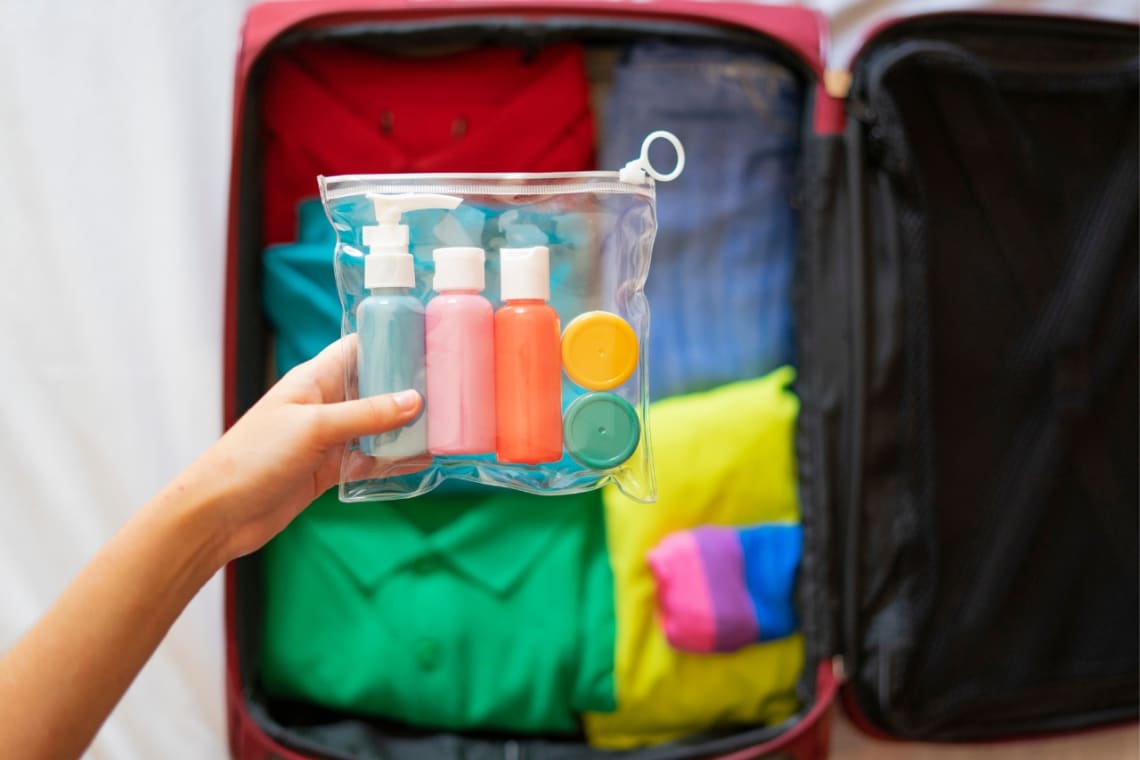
(299, 291)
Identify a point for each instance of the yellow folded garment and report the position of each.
(724, 457)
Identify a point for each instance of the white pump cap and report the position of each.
(389, 262)
(389, 270)
(459, 268)
(525, 273)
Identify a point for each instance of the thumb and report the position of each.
(368, 416)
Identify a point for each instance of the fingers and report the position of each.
(367, 416)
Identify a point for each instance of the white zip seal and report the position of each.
(636, 171)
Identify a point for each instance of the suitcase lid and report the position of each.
(944, 630)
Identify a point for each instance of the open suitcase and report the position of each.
(966, 329)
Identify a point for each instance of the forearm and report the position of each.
(59, 683)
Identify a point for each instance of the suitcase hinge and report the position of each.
(839, 669)
(837, 83)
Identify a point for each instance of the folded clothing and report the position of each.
(720, 589)
(458, 613)
(331, 109)
(298, 290)
(721, 281)
(723, 457)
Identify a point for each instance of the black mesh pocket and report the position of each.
(996, 587)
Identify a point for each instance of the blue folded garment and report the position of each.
(720, 284)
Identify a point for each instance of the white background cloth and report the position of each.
(114, 158)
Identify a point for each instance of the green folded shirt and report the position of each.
(456, 612)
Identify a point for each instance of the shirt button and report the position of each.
(427, 654)
(426, 565)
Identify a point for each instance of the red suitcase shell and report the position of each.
(800, 33)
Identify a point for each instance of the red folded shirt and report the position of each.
(339, 110)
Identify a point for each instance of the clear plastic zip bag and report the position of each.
(515, 305)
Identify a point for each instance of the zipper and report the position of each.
(637, 176)
(337, 188)
(850, 495)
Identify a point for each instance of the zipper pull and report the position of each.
(639, 170)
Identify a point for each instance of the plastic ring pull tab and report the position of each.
(636, 171)
(599, 350)
(601, 430)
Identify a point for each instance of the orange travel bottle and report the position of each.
(528, 362)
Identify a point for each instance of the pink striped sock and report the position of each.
(683, 599)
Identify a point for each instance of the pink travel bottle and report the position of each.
(460, 337)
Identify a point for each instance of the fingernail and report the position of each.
(406, 400)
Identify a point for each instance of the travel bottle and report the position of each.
(528, 367)
(460, 326)
(390, 321)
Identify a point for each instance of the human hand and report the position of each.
(274, 461)
(287, 450)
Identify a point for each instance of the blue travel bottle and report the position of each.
(390, 321)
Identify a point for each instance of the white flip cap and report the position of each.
(458, 268)
(525, 273)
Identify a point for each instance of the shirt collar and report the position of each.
(492, 539)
